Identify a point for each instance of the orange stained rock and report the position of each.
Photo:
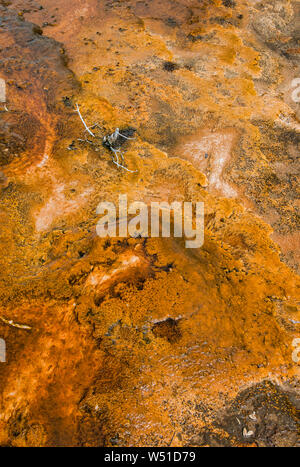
(134, 340)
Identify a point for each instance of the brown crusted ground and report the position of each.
(142, 341)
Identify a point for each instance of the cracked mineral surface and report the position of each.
(141, 341)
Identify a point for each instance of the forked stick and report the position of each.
(115, 151)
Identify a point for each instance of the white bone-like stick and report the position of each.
(121, 154)
(115, 151)
(120, 134)
(85, 125)
(14, 325)
(117, 161)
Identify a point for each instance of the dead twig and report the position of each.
(85, 125)
(110, 141)
(116, 151)
(117, 132)
(113, 142)
(14, 325)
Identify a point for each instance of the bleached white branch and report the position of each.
(85, 125)
(14, 325)
(115, 151)
(117, 132)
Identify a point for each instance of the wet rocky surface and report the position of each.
(142, 341)
(263, 415)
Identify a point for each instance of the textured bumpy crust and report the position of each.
(143, 342)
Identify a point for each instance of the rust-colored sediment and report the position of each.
(142, 341)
